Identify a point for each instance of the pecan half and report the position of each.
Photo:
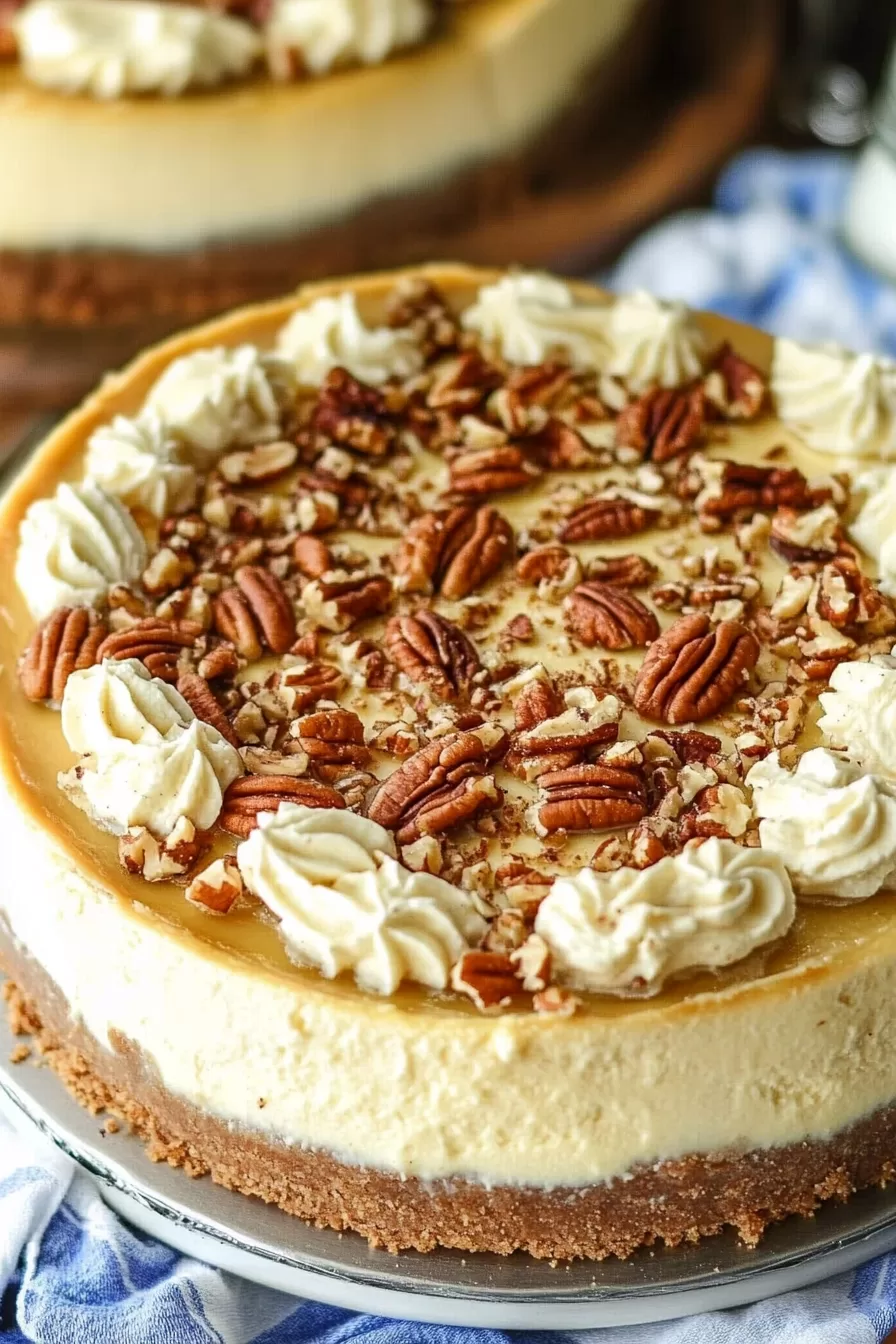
(623, 571)
(157, 644)
(333, 740)
(353, 414)
(602, 614)
(590, 798)
(251, 795)
(454, 551)
(204, 704)
(311, 555)
(462, 383)
(256, 614)
(605, 517)
(433, 651)
(66, 642)
(486, 471)
(337, 600)
(440, 786)
(664, 423)
(694, 669)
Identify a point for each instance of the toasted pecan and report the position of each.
(694, 669)
(440, 786)
(256, 614)
(590, 798)
(246, 798)
(205, 705)
(454, 551)
(605, 517)
(431, 650)
(67, 641)
(159, 645)
(602, 614)
(664, 422)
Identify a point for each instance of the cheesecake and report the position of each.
(165, 161)
(449, 760)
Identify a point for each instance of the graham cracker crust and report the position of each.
(674, 1202)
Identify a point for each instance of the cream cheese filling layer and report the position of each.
(262, 159)
(522, 1101)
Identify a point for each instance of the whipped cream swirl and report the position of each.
(860, 712)
(630, 930)
(109, 49)
(833, 826)
(331, 333)
(874, 527)
(137, 460)
(530, 316)
(837, 401)
(345, 904)
(320, 34)
(220, 398)
(146, 760)
(74, 547)
(653, 343)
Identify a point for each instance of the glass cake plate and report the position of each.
(259, 1242)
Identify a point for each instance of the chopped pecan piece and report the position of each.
(488, 978)
(440, 786)
(735, 386)
(605, 517)
(256, 613)
(204, 704)
(315, 681)
(538, 701)
(353, 414)
(729, 489)
(623, 571)
(337, 600)
(246, 798)
(219, 664)
(694, 669)
(67, 641)
(602, 614)
(218, 887)
(333, 739)
(559, 447)
(159, 860)
(158, 645)
(663, 423)
(258, 465)
(548, 563)
(486, 471)
(590, 798)
(433, 651)
(419, 306)
(462, 383)
(453, 552)
(811, 536)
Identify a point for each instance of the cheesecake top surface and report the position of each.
(498, 590)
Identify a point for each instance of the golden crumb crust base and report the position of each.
(673, 1202)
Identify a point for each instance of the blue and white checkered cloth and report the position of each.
(72, 1273)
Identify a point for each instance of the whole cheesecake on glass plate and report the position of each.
(449, 766)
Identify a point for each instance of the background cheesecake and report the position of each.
(449, 774)
(174, 160)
